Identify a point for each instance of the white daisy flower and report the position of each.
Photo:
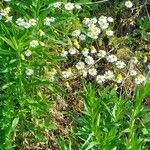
(100, 79)
(95, 30)
(29, 72)
(111, 58)
(52, 19)
(20, 21)
(85, 52)
(82, 37)
(109, 33)
(72, 50)
(27, 53)
(83, 72)
(91, 26)
(89, 60)
(104, 25)
(92, 71)
(41, 33)
(32, 22)
(102, 19)
(57, 4)
(110, 19)
(93, 20)
(80, 65)
(76, 33)
(34, 43)
(64, 53)
(86, 21)
(120, 64)
(48, 21)
(109, 75)
(78, 6)
(5, 12)
(128, 4)
(140, 79)
(26, 25)
(101, 53)
(8, 18)
(69, 6)
(67, 74)
(133, 72)
(92, 35)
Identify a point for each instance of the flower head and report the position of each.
(27, 53)
(89, 60)
(93, 50)
(34, 43)
(128, 4)
(78, 6)
(66, 74)
(104, 25)
(82, 37)
(8, 18)
(76, 33)
(100, 79)
(133, 72)
(111, 58)
(80, 65)
(26, 25)
(85, 52)
(72, 50)
(134, 60)
(57, 4)
(92, 71)
(69, 6)
(109, 33)
(101, 53)
(109, 75)
(110, 19)
(41, 32)
(140, 79)
(29, 72)
(20, 21)
(32, 22)
(64, 53)
(48, 21)
(120, 64)
(83, 72)
(102, 19)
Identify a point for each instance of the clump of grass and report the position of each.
(109, 121)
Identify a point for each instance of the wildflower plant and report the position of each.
(48, 46)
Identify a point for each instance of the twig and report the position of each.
(148, 15)
(90, 3)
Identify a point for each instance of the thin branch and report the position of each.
(90, 3)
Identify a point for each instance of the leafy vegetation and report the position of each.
(74, 75)
(110, 122)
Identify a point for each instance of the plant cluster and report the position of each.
(48, 48)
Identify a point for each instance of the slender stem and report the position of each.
(90, 3)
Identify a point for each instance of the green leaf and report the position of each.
(14, 124)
